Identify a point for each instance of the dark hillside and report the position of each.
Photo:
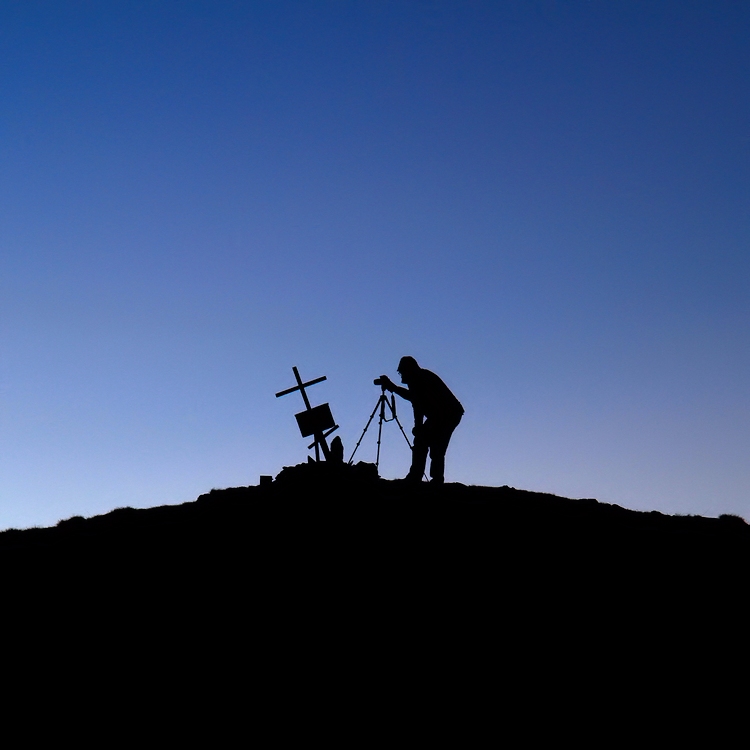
(314, 513)
(337, 572)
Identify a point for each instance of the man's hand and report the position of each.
(385, 381)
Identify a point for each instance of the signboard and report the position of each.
(317, 419)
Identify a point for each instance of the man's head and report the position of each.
(407, 368)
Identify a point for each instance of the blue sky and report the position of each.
(547, 203)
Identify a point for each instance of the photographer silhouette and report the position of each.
(437, 413)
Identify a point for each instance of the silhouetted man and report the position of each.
(437, 413)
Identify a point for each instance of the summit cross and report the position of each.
(317, 421)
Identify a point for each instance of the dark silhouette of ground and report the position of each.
(335, 597)
(340, 515)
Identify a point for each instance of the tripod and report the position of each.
(382, 404)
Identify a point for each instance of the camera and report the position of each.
(379, 381)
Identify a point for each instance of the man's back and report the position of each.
(431, 397)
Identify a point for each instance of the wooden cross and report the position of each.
(315, 420)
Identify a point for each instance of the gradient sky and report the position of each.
(546, 203)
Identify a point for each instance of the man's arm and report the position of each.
(397, 389)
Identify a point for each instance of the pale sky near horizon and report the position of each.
(546, 202)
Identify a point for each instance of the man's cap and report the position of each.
(407, 363)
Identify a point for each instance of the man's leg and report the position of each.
(419, 454)
(440, 436)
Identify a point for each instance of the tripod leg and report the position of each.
(380, 428)
(363, 432)
(393, 411)
(408, 442)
